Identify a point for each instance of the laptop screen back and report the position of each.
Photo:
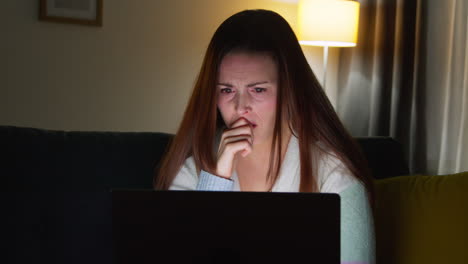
(225, 227)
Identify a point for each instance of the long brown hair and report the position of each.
(300, 98)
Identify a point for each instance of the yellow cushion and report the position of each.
(422, 219)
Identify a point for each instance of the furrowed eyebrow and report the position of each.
(248, 85)
(256, 83)
(225, 84)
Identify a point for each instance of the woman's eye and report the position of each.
(260, 90)
(226, 90)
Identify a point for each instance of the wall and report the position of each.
(133, 74)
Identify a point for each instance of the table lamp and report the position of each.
(328, 23)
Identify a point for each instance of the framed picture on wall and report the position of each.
(84, 12)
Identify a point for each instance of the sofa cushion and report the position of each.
(422, 219)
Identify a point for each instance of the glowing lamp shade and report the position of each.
(332, 23)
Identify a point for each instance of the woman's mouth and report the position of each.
(252, 123)
(249, 122)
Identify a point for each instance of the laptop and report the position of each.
(225, 227)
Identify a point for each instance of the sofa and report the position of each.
(58, 210)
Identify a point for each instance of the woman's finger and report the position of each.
(234, 147)
(235, 138)
(241, 130)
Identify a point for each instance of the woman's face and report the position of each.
(247, 87)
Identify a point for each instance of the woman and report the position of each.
(258, 120)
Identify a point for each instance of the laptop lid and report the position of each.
(225, 227)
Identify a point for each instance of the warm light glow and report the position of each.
(331, 23)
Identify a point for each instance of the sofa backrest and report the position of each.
(38, 159)
(385, 156)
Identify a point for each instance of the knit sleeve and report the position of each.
(210, 182)
(357, 226)
(188, 179)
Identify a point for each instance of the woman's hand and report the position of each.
(236, 140)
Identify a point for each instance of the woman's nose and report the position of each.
(243, 104)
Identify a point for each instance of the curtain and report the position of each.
(408, 79)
